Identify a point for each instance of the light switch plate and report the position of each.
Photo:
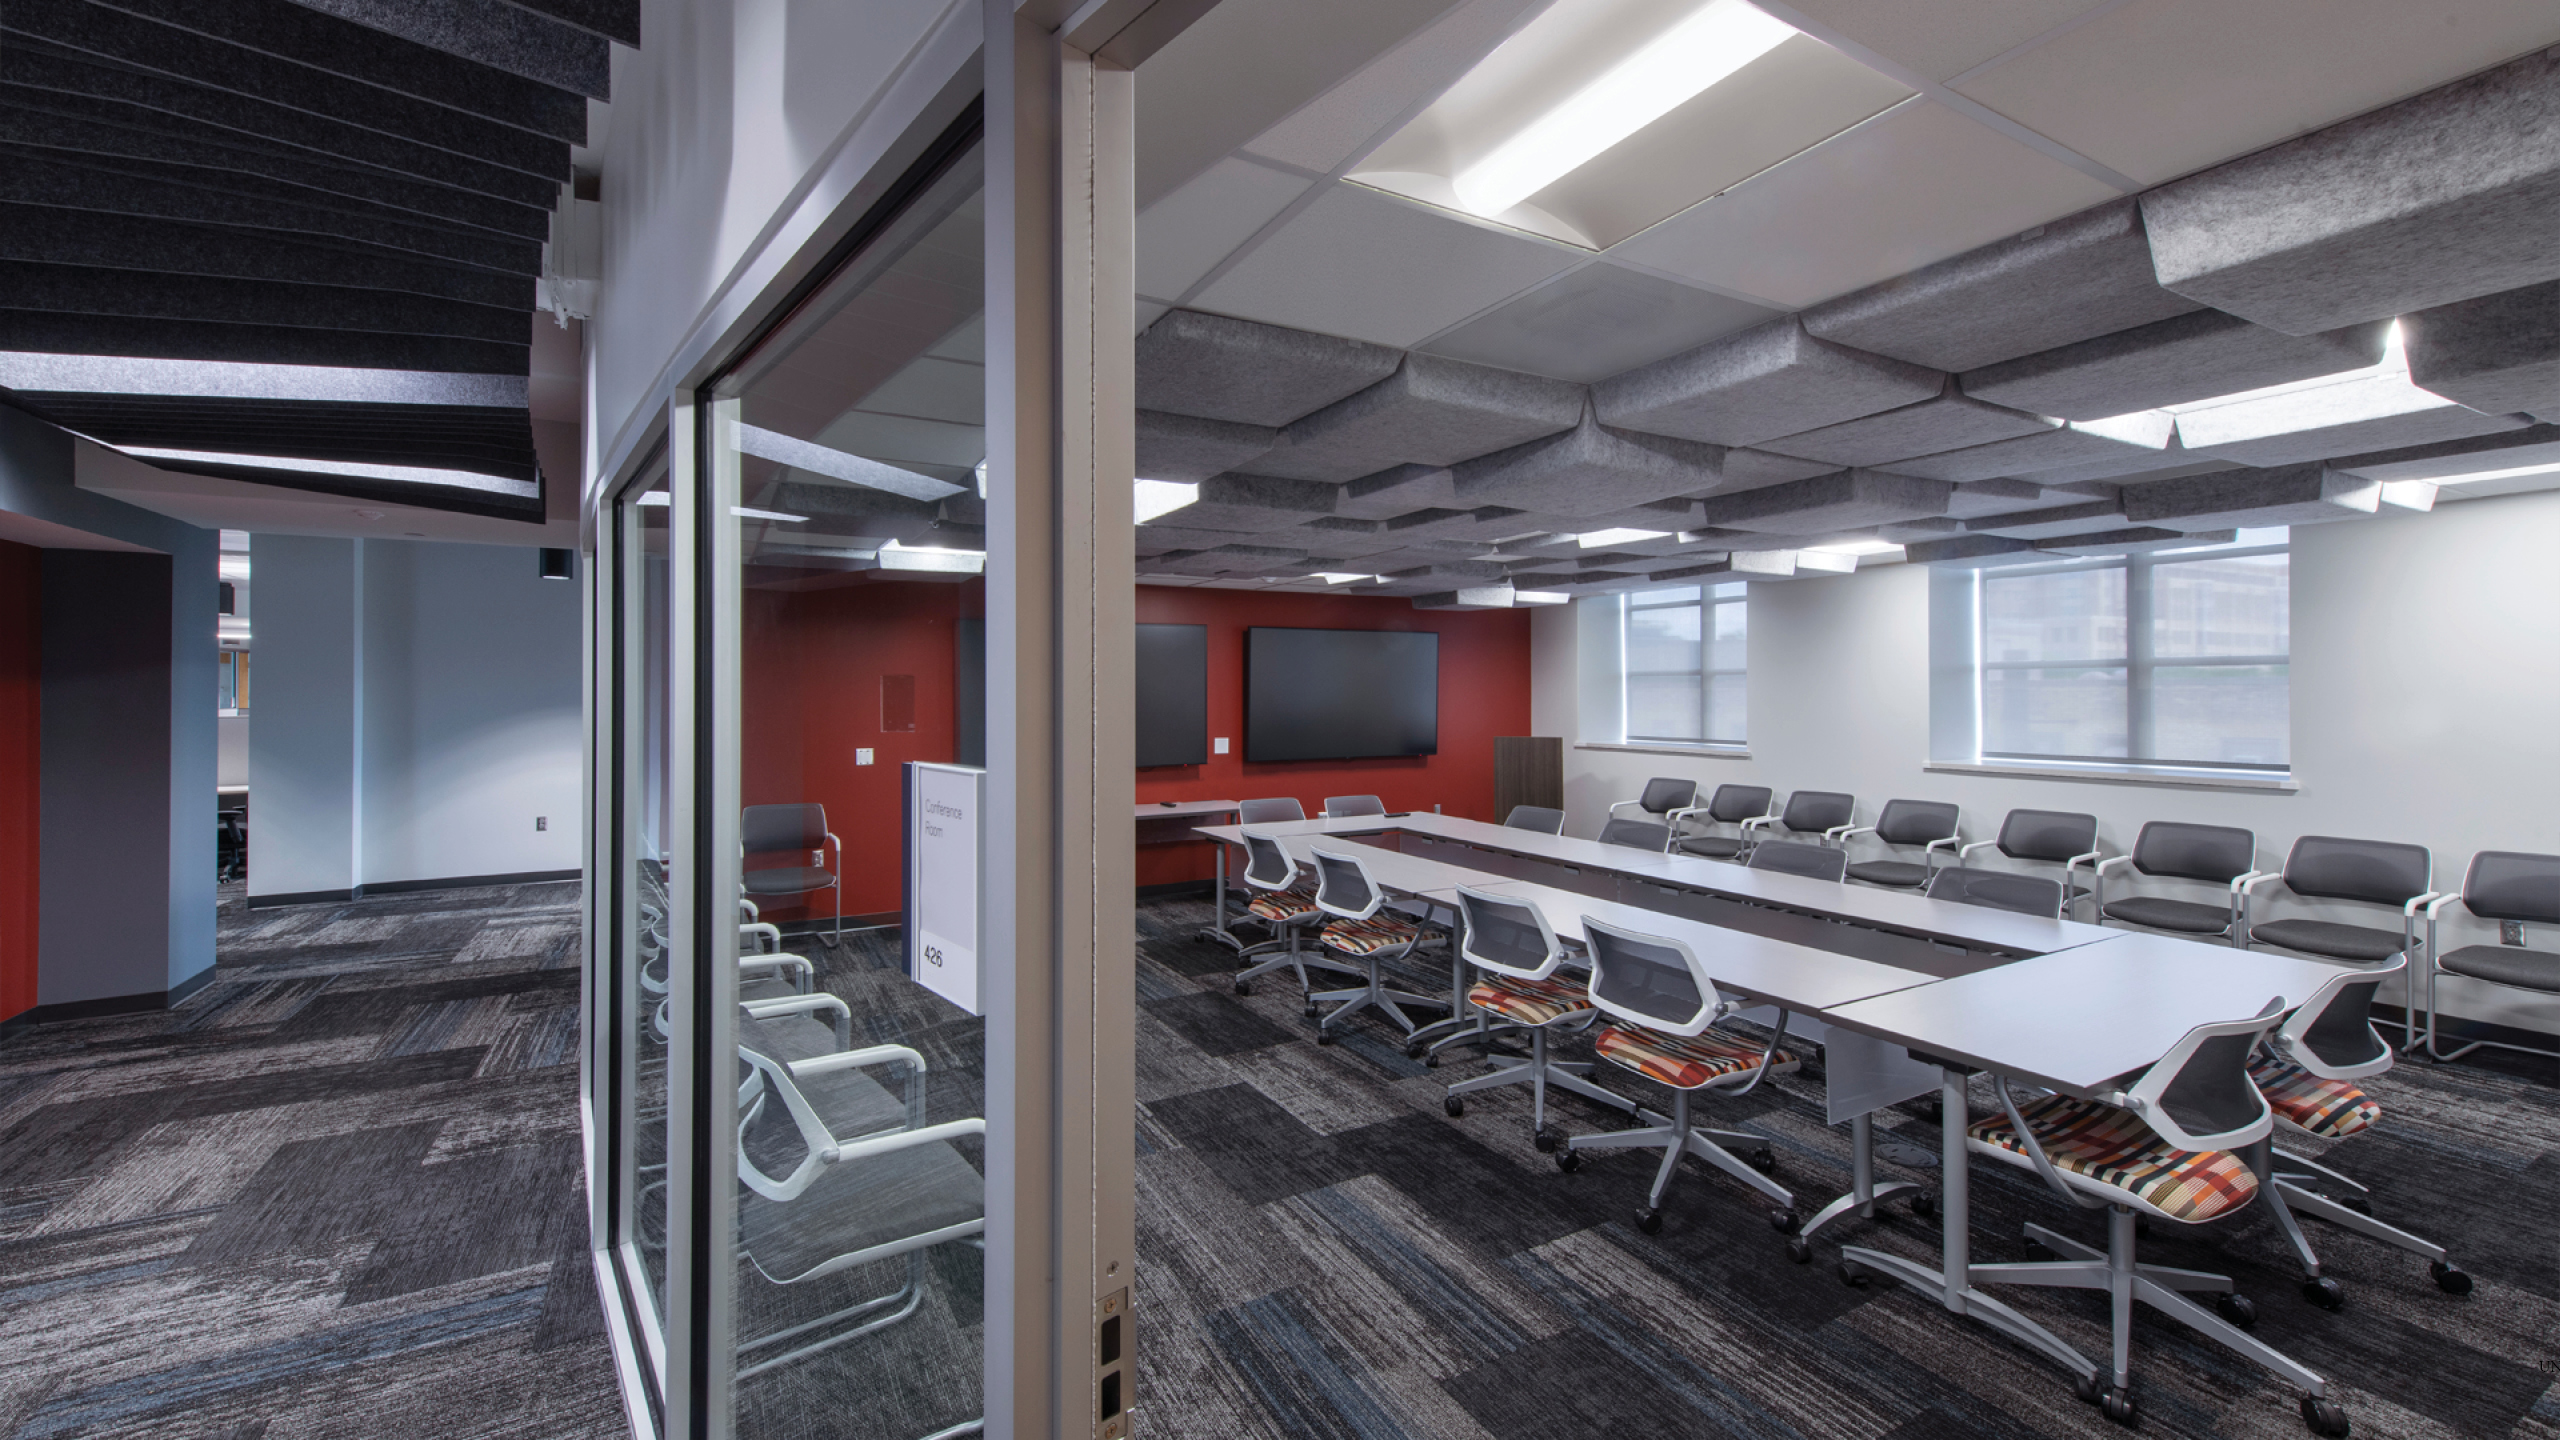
(861, 757)
(541, 822)
(1218, 746)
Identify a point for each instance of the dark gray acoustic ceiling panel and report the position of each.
(1217, 368)
(1949, 421)
(1590, 469)
(1768, 381)
(1431, 411)
(1253, 503)
(2088, 451)
(2170, 362)
(2513, 450)
(2350, 434)
(1970, 550)
(1187, 448)
(2252, 499)
(502, 35)
(2044, 524)
(1978, 499)
(1751, 469)
(2132, 540)
(2441, 197)
(1845, 500)
(2498, 353)
(2072, 280)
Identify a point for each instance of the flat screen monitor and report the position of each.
(1340, 694)
(1173, 695)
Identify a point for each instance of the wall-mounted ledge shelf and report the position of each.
(1704, 752)
(2189, 780)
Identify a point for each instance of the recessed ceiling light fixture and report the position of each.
(1163, 497)
(1857, 547)
(1680, 64)
(1338, 577)
(1597, 538)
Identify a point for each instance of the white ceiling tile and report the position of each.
(1596, 321)
(1940, 40)
(1360, 264)
(1915, 185)
(1182, 236)
(2159, 88)
(1338, 124)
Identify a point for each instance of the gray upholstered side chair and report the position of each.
(798, 831)
(1541, 818)
(2223, 855)
(1795, 857)
(1732, 805)
(1636, 834)
(1999, 890)
(2516, 889)
(2381, 874)
(1928, 826)
(1342, 807)
(1666, 800)
(2067, 838)
(1814, 813)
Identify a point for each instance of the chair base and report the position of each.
(2287, 1181)
(1679, 1137)
(1538, 1072)
(1285, 953)
(1373, 996)
(908, 1298)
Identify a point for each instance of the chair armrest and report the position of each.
(1621, 805)
(763, 930)
(1843, 834)
(838, 846)
(2248, 884)
(1757, 822)
(2112, 862)
(857, 1060)
(1675, 818)
(2437, 902)
(770, 964)
(2421, 901)
(1966, 851)
(795, 1005)
(843, 1150)
(1942, 842)
(2074, 863)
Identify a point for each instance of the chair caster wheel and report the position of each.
(2086, 1387)
(2323, 1416)
(2039, 1251)
(1764, 1160)
(1854, 1276)
(2240, 1310)
(1324, 1037)
(1546, 1141)
(1800, 1250)
(2357, 1203)
(1416, 1049)
(1455, 1106)
(2324, 1292)
(2451, 1279)
(1785, 1222)
(1314, 1010)
(1649, 1220)
(1430, 1062)
(1568, 1161)
(1925, 1205)
(2117, 1404)
(1244, 987)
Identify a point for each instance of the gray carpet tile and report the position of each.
(1326, 1253)
(334, 1193)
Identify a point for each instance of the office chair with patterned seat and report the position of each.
(1285, 902)
(1363, 930)
(1519, 986)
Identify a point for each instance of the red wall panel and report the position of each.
(21, 776)
(1484, 692)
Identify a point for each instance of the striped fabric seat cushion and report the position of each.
(1381, 931)
(2328, 1108)
(1530, 1002)
(2114, 1148)
(1684, 1062)
(1284, 904)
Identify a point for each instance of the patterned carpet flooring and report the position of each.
(1326, 1254)
(335, 1193)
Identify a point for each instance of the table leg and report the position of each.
(1218, 930)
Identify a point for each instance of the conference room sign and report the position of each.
(946, 860)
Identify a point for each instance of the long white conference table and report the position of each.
(2052, 1003)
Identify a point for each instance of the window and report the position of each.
(231, 679)
(1684, 665)
(2176, 658)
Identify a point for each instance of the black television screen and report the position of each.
(1340, 694)
(1173, 695)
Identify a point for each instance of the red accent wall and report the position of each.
(1484, 692)
(21, 769)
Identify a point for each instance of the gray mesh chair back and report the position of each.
(2051, 835)
(1663, 794)
(1338, 807)
(1646, 978)
(1814, 811)
(2211, 1096)
(2333, 1033)
(1733, 804)
(2513, 885)
(2377, 872)
(1343, 887)
(1916, 822)
(765, 829)
(1999, 890)
(1637, 835)
(1795, 857)
(1277, 811)
(1540, 818)
(1267, 866)
(1507, 936)
(2176, 850)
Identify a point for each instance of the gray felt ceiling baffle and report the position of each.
(1431, 411)
(1255, 503)
(2538, 445)
(2087, 449)
(2170, 362)
(2319, 441)
(2137, 538)
(1947, 421)
(2075, 279)
(1768, 381)
(2442, 197)
(2498, 353)
(2251, 499)
(1188, 448)
(1217, 368)
(1590, 469)
(1844, 500)
(2080, 519)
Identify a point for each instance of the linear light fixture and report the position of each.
(1163, 497)
(1339, 577)
(1597, 539)
(1677, 65)
(749, 512)
(406, 474)
(1856, 547)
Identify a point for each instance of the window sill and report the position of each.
(2124, 775)
(1716, 752)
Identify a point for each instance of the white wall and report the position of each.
(2426, 705)
(231, 750)
(426, 709)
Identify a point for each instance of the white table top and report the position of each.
(1183, 808)
(2077, 1020)
(1393, 870)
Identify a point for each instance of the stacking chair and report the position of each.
(1665, 801)
(1999, 890)
(2046, 837)
(1636, 835)
(2307, 1071)
(2223, 855)
(1517, 954)
(1927, 824)
(2512, 888)
(1795, 857)
(2165, 1148)
(1535, 817)
(1730, 805)
(798, 831)
(1338, 807)
(1665, 1009)
(1812, 813)
(2362, 872)
(1286, 904)
(1365, 931)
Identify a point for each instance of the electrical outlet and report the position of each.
(862, 757)
(1218, 746)
(2511, 932)
(541, 822)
